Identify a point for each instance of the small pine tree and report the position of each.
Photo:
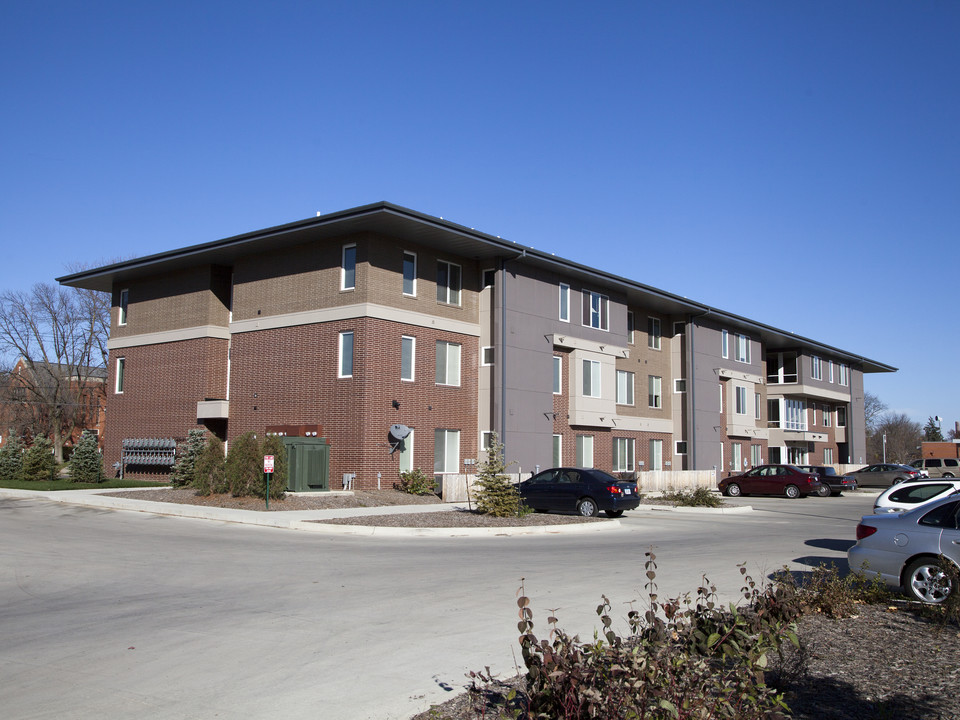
(209, 473)
(86, 463)
(38, 461)
(244, 466)
(494, 493)
(273, 445)
(11, 460)
(182, 473)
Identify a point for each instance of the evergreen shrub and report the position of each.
(86, 463)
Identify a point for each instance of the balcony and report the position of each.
(213, 409)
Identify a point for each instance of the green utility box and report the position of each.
(308, 463)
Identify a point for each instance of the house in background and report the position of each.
(379, 315)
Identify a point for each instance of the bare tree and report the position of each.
(55, 343)
(873, 409)
(903, 437)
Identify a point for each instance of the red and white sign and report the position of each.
(268, 463)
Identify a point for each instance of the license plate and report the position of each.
(627, 491)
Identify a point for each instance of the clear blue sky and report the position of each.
(796, 163)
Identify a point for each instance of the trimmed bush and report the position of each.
(209, 474)
(11, 460)
(86, 463)
(38, 461)
(183, 470)
(244, 466)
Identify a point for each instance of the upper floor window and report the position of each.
(488, 278)
(121, 366)
(830, 369)
(741, 406)
(678, 327)
(408, 354)
(816, 368)
(348, 268)
(624, 387)
(631, 327)
(448, 283)
(410, 274)
(557, 374)
(448, 363)
(124, 299)
(486, 355)
(564, 302)
(345, 362)
(679, 385)
(743, 349)
(781, 368)
(844, 375)
(591, 378)
(653, 333)
(724, 343)
(596, 309)
(654, 395)
(841, 416)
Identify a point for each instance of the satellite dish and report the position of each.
(399, 431)
(395, 437)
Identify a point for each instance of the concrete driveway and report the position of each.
(106, 613)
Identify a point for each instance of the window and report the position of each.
(564, 302)
(795, 415)
(623, 449)
(488, 278)
(827, 413)
(656, 455)
(406, 453)
(653, 391)
(408, 354)
(121, 365)
(756, 455)
(844, 378)
(486, 436)
(757, 406)
(448, 363)
(830, 368)
(773, 414)
(557, 450)
(124, 300)
(486, 355)
(741, 405)
(446, 451)
(585, 451)
(448, 283)
(781, 368)
(345, 365)
(842, 416)
(815, 368)
(348, 270)
(557, 374)
(680, 448)
(828, 456)
(725, 343)
(596, 310)
(679, 385)
(678, 327)
(591, 378)
(624, 387)
(736, 457)
(653, 333)
(631, 327)
(410, 274)
(743, 349)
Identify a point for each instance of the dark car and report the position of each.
(582, 490)
(831, 483)
(786, 480)
(884, 475)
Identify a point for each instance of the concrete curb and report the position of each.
(384, 531)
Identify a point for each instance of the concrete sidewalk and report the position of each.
(312, 520)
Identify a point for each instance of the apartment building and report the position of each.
(379, 315)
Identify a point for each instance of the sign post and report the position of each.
(268, 471)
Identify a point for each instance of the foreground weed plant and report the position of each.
(699, 497)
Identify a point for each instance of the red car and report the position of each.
(786, 480)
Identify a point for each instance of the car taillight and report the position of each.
(614, 489)
(864, 531)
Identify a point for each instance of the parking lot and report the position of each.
(108, 613)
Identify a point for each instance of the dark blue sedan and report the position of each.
(585, 491)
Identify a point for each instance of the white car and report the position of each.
(907, 496)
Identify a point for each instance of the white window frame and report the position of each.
(409, 340)
(624, 454)
(557, 450)
(680, 447)
(485, 437)
(724, 344)
(844, 375)
(446, 293)
(654, 333)
(352, 271)
(756, 455)
(564, 303)
(342, 370)
(740, 407)
(679, 385)
(449, 368)
(121, 369)
(123, 305)
(446, 451)
(557, 374)
(736, 457)
(816, 367)
(591, 378)
(625, 381)
(597, 317)
(827, 412)
(584, 451)
(631, 327)
(830, 369)
(655, 392)
(757, 406)
(486, 356)
(403, 273)
(405, 459)
(828, 456)
(743, 348)
(656, 454)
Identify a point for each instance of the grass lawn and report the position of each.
(60, 484)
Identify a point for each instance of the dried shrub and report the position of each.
(416, 482)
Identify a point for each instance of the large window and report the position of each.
(121, 366)
(564, 302)
(410, 274)
(557, 374)
(591, 378)
(795, 415)
(624, 387)
(781, 368)
(448, 363)
(345, 364)
(408, 355)
(656, 455)
(348, 269)
(448, 283)
(653, 333)
(596, 308)
(446, 451)
(585, 451)
(655, 398)
(741, 405)
(743, 349)
(124, 300)
(623, 454)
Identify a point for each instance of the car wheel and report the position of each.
(733, 490)
(613, 513)
(824, 491)
(924, 580)
(948, 475)
(791, 491)
(587, 507)
(897, 481)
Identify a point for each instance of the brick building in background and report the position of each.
(378, 315)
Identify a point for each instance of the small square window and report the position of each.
(486, 355)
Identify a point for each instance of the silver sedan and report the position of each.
(904, 549)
